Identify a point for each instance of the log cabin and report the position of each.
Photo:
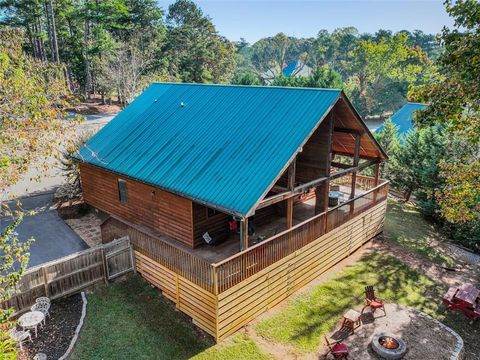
(235, 197)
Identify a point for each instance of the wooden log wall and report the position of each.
(216, 225)
(146, 205)
(243, 302)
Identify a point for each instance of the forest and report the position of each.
(57, 52)
(115, 48)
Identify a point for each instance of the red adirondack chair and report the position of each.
(372, 301)
(337, 349)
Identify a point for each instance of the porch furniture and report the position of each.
(352, 317)
(372, 301)
(20, 336)
(465, 298)
(334, 187)
(43, 308)
(31, 320)
(337, 349)
(334, 198)
(43, 299)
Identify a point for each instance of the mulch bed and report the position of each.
(55, 337)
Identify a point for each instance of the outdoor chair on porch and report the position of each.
(337, 349)
(372, 301)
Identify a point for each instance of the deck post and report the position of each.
(289, 212)
(377, 178)
(291, 186)
(356, 158)
(243, 234)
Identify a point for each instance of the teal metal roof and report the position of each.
(403, 118)
(220, 145)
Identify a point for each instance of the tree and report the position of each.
(416, 166)
(322, 77)
(387, 137)
(32, 124)
(454, 96)
(195, 51)
(246, 78)
(380, 73)
(13, 263)
(32, 108)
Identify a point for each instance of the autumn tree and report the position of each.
(32, 125)
(454, 98)
(378, 69)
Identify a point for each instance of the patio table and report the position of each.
(465, 298)
(468, 294)
(31, 320)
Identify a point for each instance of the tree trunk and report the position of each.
(88, 78)
(54, 34)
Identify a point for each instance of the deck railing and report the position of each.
(191, 267)
(242, 265)
(362, 182)
(223, 275)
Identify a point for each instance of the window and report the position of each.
(211, 212)
(122, 191)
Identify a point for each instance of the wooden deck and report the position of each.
(222, 296)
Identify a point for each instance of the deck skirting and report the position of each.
(224, 313)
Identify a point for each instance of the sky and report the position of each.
(254, 20)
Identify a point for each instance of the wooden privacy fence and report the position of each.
(73, 273)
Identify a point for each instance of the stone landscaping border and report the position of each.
(77, 331)
(458, 349)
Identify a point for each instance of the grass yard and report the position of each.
(129, 320)
(405, 227)
(310, 316)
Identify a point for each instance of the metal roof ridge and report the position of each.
(249, 86)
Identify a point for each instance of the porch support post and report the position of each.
(377, 173)
(243, 234)
(289, 212)
(291, 187)
(356, 158)
(377, 178)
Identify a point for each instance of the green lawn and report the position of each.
(310, 316)
(405, 226)
(129, 320)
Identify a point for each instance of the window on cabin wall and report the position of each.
(212, 212)
(122, 191)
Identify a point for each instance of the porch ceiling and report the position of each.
(346, 117)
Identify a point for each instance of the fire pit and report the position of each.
(388, 346)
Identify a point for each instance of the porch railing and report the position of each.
(223, 275)
(242, 265)
(363, 182)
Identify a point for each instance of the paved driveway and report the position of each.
(53, 238)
